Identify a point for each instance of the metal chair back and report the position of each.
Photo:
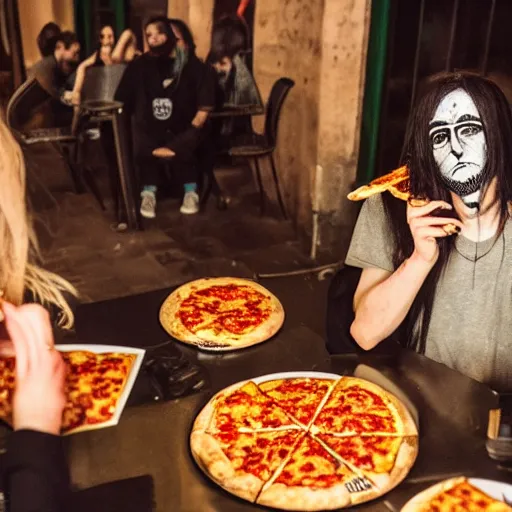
(24, 102)
(100, 83)
(278, 94)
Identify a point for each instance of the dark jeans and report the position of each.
(185, 163)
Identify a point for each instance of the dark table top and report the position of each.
(233, 111)
(153, 439)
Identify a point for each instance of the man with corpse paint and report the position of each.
(446, 293)
(170, 105)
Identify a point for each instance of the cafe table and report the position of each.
(154, 439)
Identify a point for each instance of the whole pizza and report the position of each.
(305, 443)
(455, 495)
(94, 384)
(222, 313)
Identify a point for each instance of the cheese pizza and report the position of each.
(455, 495)
(221, 313)
(272, 443)
(93, 386)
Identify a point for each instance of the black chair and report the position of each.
(27, 102)
(340, 312)
(96, 106)
(340, 315)
(255, 146)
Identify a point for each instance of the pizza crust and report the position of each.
(420, 502)
(405, 458)
(208, 454)
(171, 322)
(304, 498)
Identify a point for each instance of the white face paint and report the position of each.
(459, 146)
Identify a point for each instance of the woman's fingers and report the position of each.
(426, 232)
(421, 211)
(434, 221)
(18, 337)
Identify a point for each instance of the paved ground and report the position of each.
(78, 241)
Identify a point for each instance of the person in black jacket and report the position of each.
(169, 94)
(35, 474)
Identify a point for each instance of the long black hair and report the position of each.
(426, 181)
(186, 33)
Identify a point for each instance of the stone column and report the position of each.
(342, 72)
(321, 45)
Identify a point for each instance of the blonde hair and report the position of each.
(19, 251)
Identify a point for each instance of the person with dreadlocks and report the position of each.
(446, 296)
(169, 92)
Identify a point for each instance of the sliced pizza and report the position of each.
(242, 462)
(455, 495)
(385, 460)
(244, 408)
(356, 406)
(380, 184)
(300, 397)
(312, 479)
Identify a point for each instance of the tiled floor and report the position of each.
(79, 243)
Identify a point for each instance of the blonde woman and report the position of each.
(21, 278)
(34, 458)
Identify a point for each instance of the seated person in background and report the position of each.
(55, 73)
(108, 53)
(35, 474)
(236, 87)
(47, 39)
(448, 293)
(170, 107)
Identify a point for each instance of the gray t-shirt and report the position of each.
(471, 325)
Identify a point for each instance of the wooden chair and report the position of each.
(255, 146)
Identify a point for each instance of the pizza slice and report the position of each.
(94, 383)
(241, 463)
(455, 495)
(299, 397)
(243, 408)
(7, 385)
(312, 479)
(385, 460)
(357, 406)
(380, 184)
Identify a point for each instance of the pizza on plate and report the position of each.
(93, 386)
(270, 442)
(455, 495)
(222, 313)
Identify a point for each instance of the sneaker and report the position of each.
(190, 203)
(148, 205)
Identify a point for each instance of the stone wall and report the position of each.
(288, 43)
(34, 15)
(321, 45)
(198, 15)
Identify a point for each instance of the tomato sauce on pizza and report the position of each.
(277, 443)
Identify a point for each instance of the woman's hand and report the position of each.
(39, 397)
(425, 229)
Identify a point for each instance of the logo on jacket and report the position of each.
(162, 108)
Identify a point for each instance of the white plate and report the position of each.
(134, 371)
(495, 489)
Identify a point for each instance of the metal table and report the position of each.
(112, 111)
(153, 439)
